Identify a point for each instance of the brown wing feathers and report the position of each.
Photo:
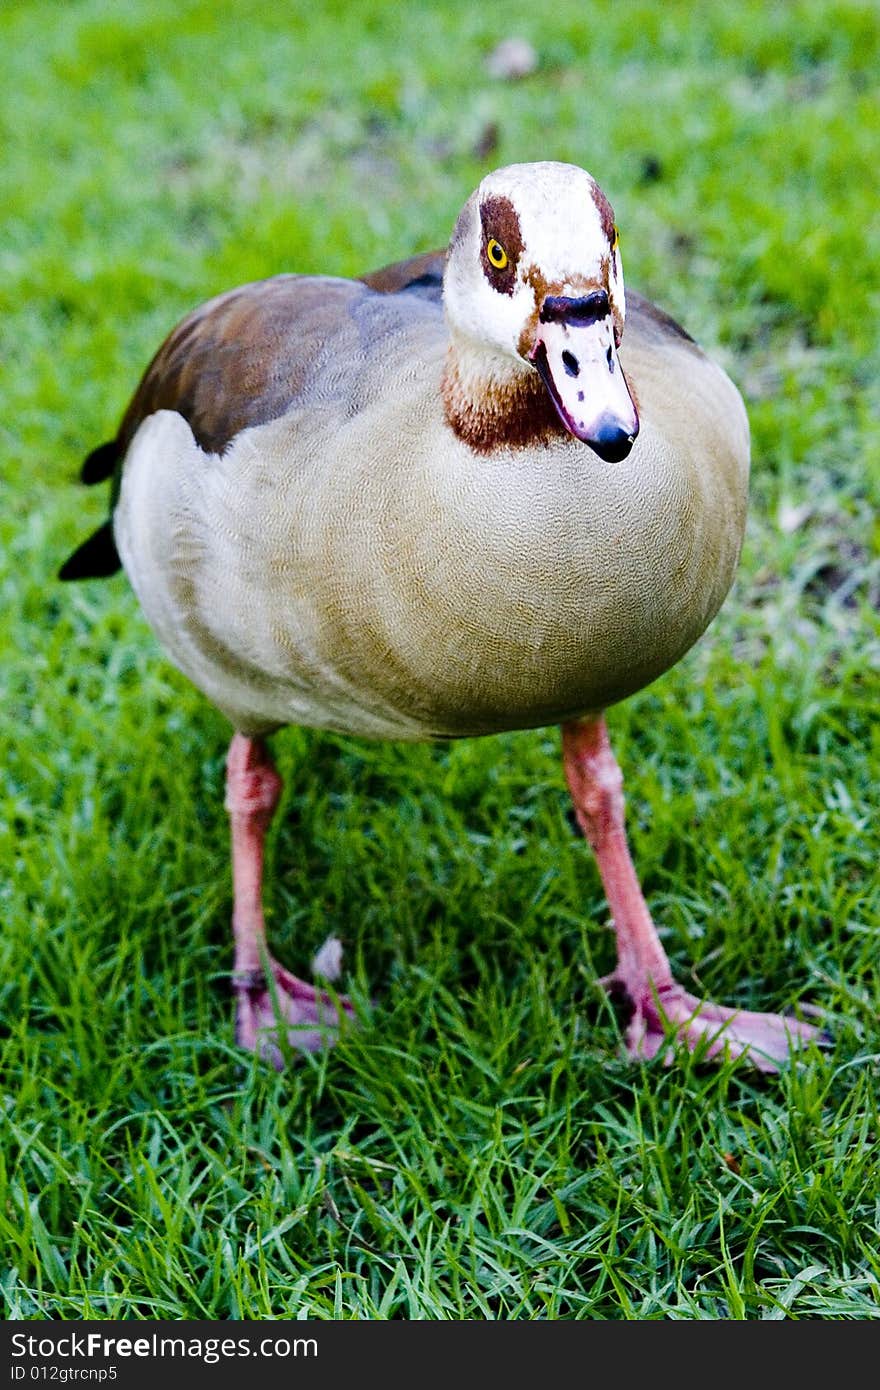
(231, 363)
(419, 273)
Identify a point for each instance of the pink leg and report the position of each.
(268, 995)
(662, 1010)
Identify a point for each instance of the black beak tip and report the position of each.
(611, 442)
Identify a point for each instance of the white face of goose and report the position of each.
(533, 278)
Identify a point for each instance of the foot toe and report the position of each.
(662, 1018)
(310, 1019)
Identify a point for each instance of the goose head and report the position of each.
(533, 289)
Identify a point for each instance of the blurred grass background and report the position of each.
(478, 1149)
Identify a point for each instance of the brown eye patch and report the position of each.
(606, 214)
(500, 225)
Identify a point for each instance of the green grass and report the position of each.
(478, 1148)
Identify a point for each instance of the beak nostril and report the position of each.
(570, 363)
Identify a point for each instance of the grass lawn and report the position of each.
(478, 1148)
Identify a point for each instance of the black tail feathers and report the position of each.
(97, 557)
(100, 463)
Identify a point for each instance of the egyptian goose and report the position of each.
(442, 500)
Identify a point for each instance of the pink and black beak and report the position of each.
(575, 353)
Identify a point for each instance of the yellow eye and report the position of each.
(616, 239)
(496, 253)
